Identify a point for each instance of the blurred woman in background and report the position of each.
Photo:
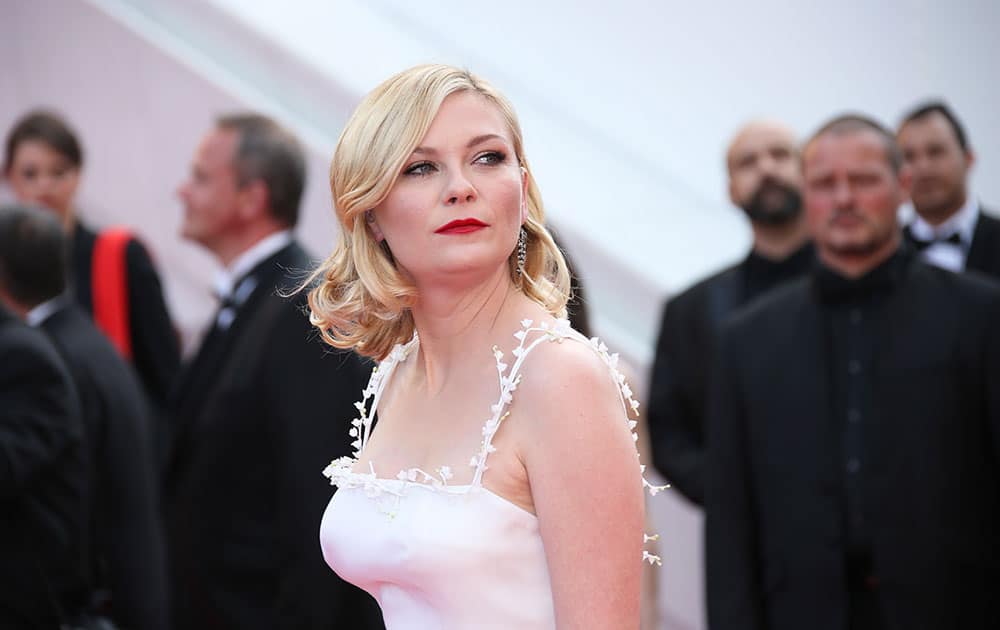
(112, 276)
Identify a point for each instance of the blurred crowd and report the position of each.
(832, 401)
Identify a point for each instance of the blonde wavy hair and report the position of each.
(359, 300)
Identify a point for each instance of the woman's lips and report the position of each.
(460, 226)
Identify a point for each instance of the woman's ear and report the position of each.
(373, 226)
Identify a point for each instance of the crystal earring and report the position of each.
(522, 251)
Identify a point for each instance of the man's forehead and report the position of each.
(934, 125)
(218, 145)
(760, 135)
(855, 144)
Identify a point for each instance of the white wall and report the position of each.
(626, 106)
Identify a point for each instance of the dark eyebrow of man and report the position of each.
(477, 140)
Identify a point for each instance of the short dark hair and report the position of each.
(33, 254)
(845, 124)
(938, 107)
(268, 152)
(48, 127)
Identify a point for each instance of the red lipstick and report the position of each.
(460, 226)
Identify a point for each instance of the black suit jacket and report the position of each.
(984, 253)
(127, 548)
(775, 530)
(261, 411)
(155, 346)
(689, 330)
(42, 482)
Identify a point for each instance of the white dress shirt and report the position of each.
(37, 316)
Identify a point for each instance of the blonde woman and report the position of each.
(500, 487)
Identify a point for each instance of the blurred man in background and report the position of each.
(125, 555)
(261, 409)
(854, 428)
(950, 228)
(764, 181)
(43, 506)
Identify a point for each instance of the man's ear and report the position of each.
(254, 199)
(970, 159)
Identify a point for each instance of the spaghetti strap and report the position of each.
(361, 426)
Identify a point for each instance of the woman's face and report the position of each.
(457, 206)
(38, 174)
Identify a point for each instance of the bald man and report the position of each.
(765, 182)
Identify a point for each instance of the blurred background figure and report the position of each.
(42, 483)
(125, 554)
(765, 182)
(111, 275)
(852, 476)
(260, 409)
(949, 227)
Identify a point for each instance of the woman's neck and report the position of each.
(457, 327)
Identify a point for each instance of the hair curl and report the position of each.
(359, 300)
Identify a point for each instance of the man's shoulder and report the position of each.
(726, 279)
(969, 286)
(72, 330)
(987, 224)
(16, 336)
(83, 345)
(989, 216)
(27, 350)
(775, 308)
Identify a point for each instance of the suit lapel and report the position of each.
(985, 249)
(202, 374)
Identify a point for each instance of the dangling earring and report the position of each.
(522, 251)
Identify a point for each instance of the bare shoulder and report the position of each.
(568, 381)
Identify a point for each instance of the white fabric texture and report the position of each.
(439, 556)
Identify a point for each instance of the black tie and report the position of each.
(230, 304)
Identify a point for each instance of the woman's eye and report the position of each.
(491, 157)
(420, 168)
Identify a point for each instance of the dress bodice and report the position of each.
(437, 555)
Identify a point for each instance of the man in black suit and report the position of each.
(42, 482)
(125, 553)
(261, 409)
(854, 428)
(764, 180)
(950, 228)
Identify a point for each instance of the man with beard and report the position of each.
(854, 424)
(950, 229)
(764, 180)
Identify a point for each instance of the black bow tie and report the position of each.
(920, 244)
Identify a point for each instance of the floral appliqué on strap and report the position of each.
(388, 491)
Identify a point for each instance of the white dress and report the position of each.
(439, 556)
